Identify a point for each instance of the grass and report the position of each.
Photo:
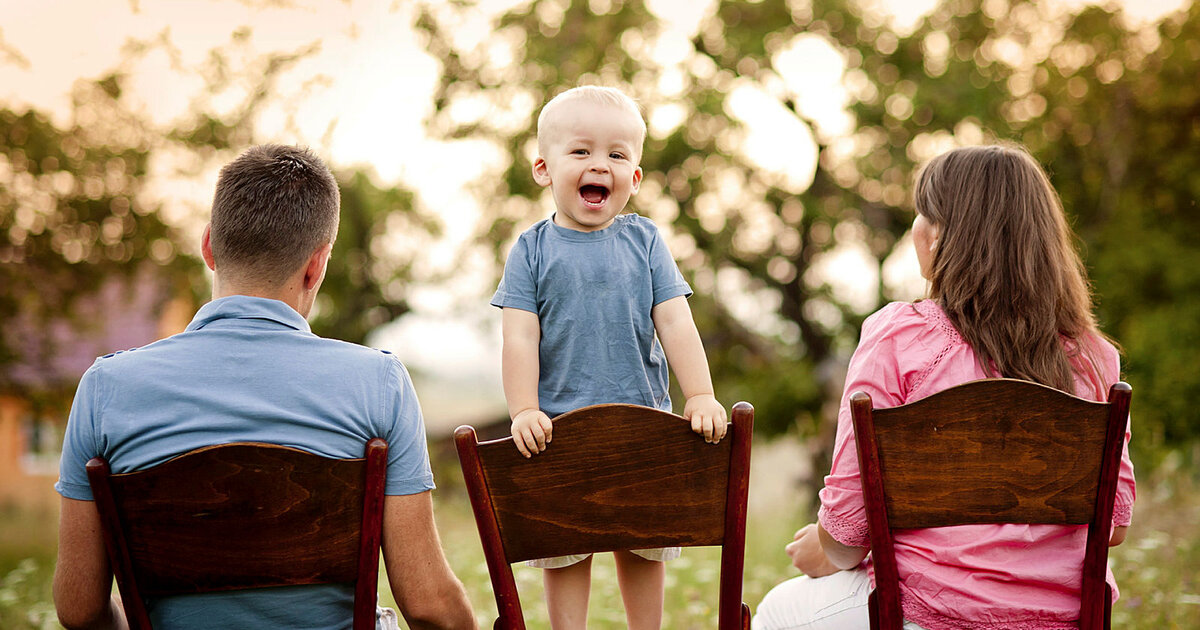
(691, 581)
(27, 543)
(1158, 567)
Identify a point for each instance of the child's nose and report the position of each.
(599, 166)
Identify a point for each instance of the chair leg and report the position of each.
(745, 616)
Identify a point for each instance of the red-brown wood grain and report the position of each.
(991, 451)
(613, 477)
(244, 515)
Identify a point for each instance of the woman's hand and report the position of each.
(807, 555)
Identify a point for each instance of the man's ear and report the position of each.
(318, 263)
(206, 247)
(541, 172)
(637, 179)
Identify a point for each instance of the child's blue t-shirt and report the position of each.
(593, 293)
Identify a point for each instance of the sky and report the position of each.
(362, 98)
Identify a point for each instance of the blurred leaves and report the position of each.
(1112, 111)
(73, 212)
(79, 208)
(380, 240)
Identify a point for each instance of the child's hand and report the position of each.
(531, 431)
(707, 416)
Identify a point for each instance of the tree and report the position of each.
(73, 214)
(76, 214)
(1113, 140)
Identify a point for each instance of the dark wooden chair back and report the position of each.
(240, 516)
(991, 451)
(615, 477)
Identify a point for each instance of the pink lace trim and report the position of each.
(930, 310)
(929, 619)
(844, 530)
(1122, 515)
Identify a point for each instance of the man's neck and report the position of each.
(292, 298)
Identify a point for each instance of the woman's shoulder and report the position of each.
(915, 335)
(920, 318)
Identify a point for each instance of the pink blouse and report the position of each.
(969, 576)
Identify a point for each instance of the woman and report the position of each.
(1008, 297)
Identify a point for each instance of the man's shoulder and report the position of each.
(354, 351)
(187, 347)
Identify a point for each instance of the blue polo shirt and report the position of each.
(246, 369)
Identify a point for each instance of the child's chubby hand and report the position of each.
(531, 431)
(707, 415)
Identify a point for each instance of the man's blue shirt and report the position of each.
(246, 369)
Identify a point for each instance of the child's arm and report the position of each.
(685, 354)
(520, 365)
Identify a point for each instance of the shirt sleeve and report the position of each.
(81, 439)
(896, 342)
(403, 427)
(667, 281)
(518, 285)
(1126, 484)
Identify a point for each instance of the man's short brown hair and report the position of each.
(273, 207)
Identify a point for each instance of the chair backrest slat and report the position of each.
(640, 483)
(998, 451)
(614, 477)
(245, 515)
(990, 451)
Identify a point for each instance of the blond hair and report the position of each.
(595, 94)
(1005, 270)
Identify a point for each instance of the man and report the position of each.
(248, 368)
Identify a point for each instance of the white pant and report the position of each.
(833, 602)
(386, 619)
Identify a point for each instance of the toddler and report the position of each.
(594, 308)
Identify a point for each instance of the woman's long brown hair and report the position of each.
(1005, 269)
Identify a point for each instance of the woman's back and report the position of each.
(974, 576)
(1009, 297)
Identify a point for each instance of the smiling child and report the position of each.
(594, 308)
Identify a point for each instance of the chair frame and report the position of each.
(185, 497)
(995, 406)
(500, 529)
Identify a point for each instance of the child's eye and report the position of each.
(579, 152)
(617, 156)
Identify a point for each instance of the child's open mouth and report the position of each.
(593, 195)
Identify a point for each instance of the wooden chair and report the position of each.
(991, 451)
(240, 516)
(614, 477)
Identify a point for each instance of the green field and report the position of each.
(1158, 567)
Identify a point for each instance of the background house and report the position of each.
(125, 312)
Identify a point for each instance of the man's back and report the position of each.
(247, 369)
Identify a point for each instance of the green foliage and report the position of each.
(72, 211)
(1113, 113)
(25, 597)
(379, 242)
